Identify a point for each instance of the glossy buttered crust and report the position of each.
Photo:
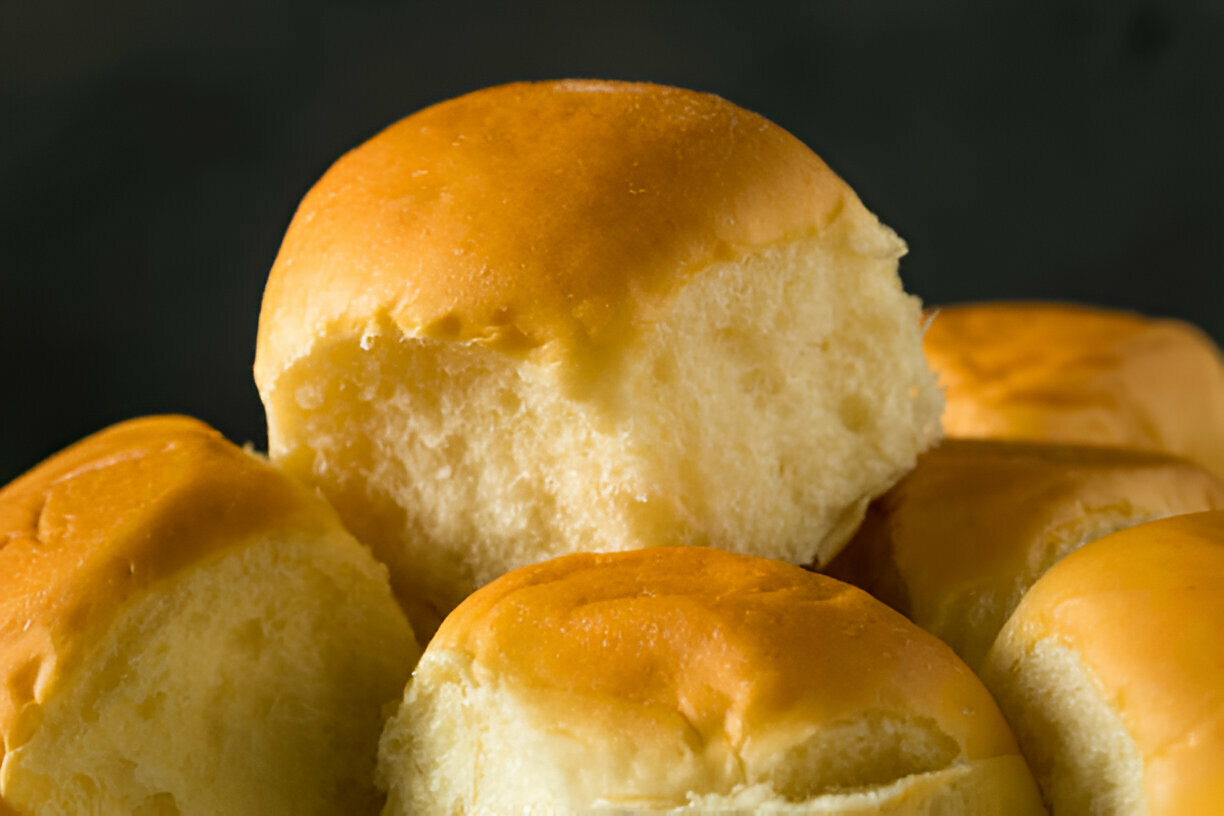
(1056, 372)
(735, 641)
(534, 216)
(1143, 609)
(693, 675)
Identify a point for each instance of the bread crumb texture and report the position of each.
(524, 357)
(760, 414)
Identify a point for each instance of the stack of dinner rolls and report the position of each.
(1055, 540)
(608, 396)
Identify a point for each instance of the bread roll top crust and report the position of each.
(107, 517)
(739, 645)
(1144, 608)
(1060, 372)
(537, 216)
(980, 520)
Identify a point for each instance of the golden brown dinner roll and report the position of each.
(567, 316)
(1112, 671)
(186, 630)
(694, 679)
(958, 541)
(1057, 372)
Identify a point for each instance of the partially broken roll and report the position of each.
(566, 316)
(696, 680)
(186, 630)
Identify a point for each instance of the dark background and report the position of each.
(152, 154)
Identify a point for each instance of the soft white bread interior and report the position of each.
(1056, 372)
(186, 630)
(1112, 672)
(957, 542)
(697, 680)
(568, 316)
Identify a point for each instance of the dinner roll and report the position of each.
(959, 540)
(567, 316)
(185, 630)
(1112, 671)
(698, 680)
(1057, 372)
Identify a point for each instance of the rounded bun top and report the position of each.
(1143, 611)
(95, 524)
(743, 647)
(1176, 565)
(687, 679)
(1058, 372)
(536, 214)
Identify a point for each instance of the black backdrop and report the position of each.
(152, 154)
